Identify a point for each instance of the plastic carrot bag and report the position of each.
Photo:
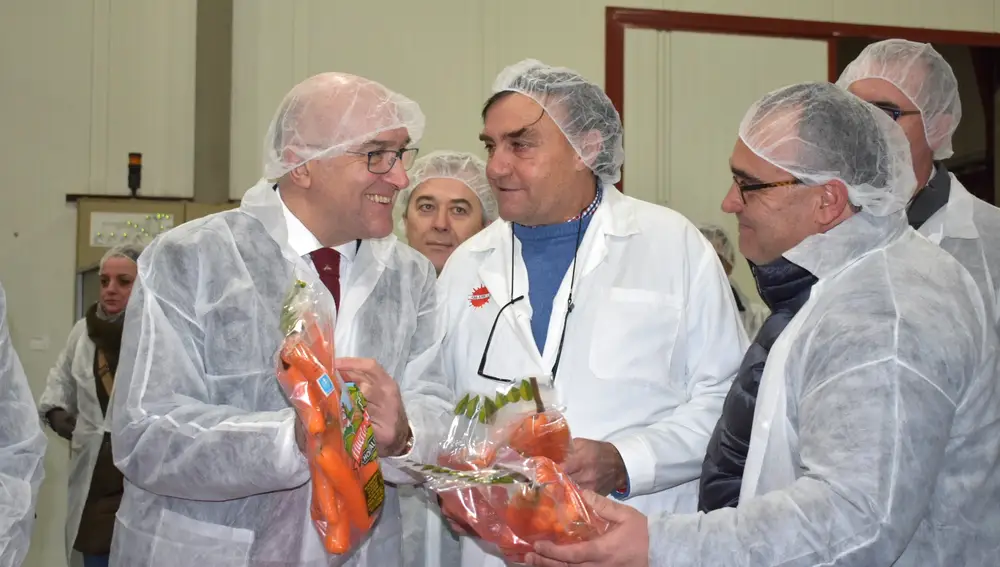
(519, 418)
(515, 504)
(348, 489)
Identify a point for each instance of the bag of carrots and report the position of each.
(518, 418)
(498, 471)
(515, 504)
(347, 486)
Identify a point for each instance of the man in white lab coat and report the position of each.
(22, 452)
(874, 438)
(619, 304)
(200, 428)
(913, 84)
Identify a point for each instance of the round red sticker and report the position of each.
(480, 296)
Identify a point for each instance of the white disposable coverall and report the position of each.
(22, 451)
(200, 427)
(651, 346)
(875, 433)
(71, 386)
(969, 229)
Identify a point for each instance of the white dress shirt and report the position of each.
(304, 243)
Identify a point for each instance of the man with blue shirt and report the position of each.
(621, 306)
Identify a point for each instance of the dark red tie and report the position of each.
(327, 262)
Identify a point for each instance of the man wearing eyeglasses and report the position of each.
(915, 85)
(621, 306)
(209, 446)
(874, 436)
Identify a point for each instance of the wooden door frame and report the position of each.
(617, 20)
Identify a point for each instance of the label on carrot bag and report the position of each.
(325, 384)
(359, 442)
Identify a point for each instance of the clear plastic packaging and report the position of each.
(348, 489)
(519, 417)
(498, 471)
(515, 504)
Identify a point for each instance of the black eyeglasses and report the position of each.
(746, 188)
(381, 161)
(569, 309)
(893, 112)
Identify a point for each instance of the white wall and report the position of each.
(84, 83)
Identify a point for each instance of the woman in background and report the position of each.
(75, 403)
(753, 313)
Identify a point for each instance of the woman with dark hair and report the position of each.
(75, 404)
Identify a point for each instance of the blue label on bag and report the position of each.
(325, 384)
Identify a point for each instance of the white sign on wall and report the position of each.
(113, 229)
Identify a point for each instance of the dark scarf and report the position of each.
(106, 332)
(931, 199)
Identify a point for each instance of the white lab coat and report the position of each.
(875, 428)
(969, 229)
(651, 346)
(200, 427)
(22, 451)
(427, 540)
(71, 386)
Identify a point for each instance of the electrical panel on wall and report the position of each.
(113, 229)
(103, 223)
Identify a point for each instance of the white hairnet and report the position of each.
(819, 132)
(720, 241)
(578, 107)
(461, 166)
(130, 251)
(920, 72)
(330, 113)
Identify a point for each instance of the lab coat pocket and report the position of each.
(184, 541)
(634, 335)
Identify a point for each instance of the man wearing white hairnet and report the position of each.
(618, 304)
(448, 200)
(874, 438)
(752, 312)
(914, 85)
(201, 429)
(22, 451)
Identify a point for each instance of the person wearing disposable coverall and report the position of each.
(876, 426)
(625, 309)
(75, 403)
(914, 85)
(752, 313)
(22, 451)
(448, 200)
(200, 428)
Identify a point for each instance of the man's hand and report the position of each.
(595, 465)
(625, 545)
(62, 422)
(385, 405)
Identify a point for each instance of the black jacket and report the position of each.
(784, 287)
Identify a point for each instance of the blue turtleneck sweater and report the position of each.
(548, 252)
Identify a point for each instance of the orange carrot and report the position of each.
(319, 342)
(338, 535)
(346, 485)
(304, 398)
(326, 499)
